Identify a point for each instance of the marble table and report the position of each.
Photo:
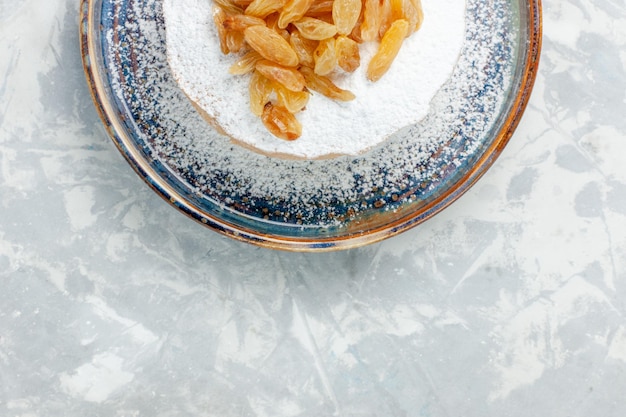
(508, 303)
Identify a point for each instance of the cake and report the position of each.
(330, 128)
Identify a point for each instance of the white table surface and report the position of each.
(511, 302)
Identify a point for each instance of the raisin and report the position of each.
(280, 122)
(388, 49)
(325, 86)
(348, 56)
(260, 89)
(325, 57)
(315, 29)
(270, 45)
(345, 15)
(288, 77)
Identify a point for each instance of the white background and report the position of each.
(509, 303)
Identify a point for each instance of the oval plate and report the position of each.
(316, 205)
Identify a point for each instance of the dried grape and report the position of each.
(240, 22)
(293, 10)
(304, 48)
(320, 7)
(325, 57)
(263, 8)
(270, 45)
(288, 77)
(388, 49)
(414, 13)
(325, 86)
(245, 64)
(281, 122)
(234, 41)
(345, 15)
(260, 89)
(348, 55)
(229, 7)
(219, 16)
(386, 18)
(315, 29)
(372, 15)
(294, 101)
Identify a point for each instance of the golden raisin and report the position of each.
(234, 41)
(345, 15)
(246, 63)
(229, 6)
(304, 48)
(372, 15)
(348, 56)
(270, 45)
(294, 101)
(262, 8)
(355, 35)
(272, 23)
(293, 10)
(240, 22)
(260, 89)
(388, 49)
(280, 122)
(288, 77)
(315, 29)
(397, 10)
(385, 18)
(320, 7)
(219, 16)
(325, 86)
(414, 13)
(325, 57)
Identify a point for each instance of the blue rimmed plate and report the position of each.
(309, 205)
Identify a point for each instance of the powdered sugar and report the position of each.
(400, 98)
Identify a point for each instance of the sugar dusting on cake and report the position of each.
(411, 165)
(401, 98)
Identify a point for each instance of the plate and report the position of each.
(309, 205)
